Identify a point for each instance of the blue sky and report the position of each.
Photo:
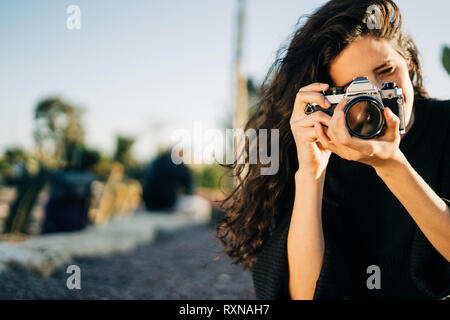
(145, 68)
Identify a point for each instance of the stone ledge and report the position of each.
(44, 254)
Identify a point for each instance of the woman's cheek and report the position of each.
(408, 94)
(408, 97)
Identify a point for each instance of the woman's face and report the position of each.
(379, 62)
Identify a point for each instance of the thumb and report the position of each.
(392, 123)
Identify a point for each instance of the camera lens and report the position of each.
(364, 118)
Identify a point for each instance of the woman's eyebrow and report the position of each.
(385, 63)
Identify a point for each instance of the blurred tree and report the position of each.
(124, 155)
(58, 133)
(29, 187)
(22, 172)
(13, 165)
(89, 158)
(103, 168)
(209, 177)
(123, 150)
(446, 58)
(254, 95)
(18, 170)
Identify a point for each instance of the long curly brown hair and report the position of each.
(251, 207)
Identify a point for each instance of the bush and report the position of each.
(211, 177)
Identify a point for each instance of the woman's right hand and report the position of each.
(312, 156)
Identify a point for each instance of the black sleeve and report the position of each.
(333, 277)
(429, 269)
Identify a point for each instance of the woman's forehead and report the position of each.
(360, 58)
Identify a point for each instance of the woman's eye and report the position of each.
(387, 70)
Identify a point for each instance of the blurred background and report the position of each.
(91, 93)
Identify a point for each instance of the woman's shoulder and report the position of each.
(433, 115)
(439, 109)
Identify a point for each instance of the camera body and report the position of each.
(364, 110)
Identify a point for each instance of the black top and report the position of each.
(364, 224)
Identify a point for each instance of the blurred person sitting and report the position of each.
(164, 181)
(70, 196)
(168, 187)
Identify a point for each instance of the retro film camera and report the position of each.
(364, 110)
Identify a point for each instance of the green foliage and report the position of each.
(446, 58)
(123, 150)
(103, 168)
(89, 158)
(254, 94)
(58, 131)
(210, 177)
(12, 164)
(123, 154)
(28, 188)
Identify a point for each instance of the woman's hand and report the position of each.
(374, 152)
(312, 155)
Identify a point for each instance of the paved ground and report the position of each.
(185, 265)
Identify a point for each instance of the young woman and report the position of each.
(344, 217)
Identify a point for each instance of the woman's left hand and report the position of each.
(374, 152)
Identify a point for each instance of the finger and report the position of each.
(303, 99)
(309, 120)
(392, 124)
(341, 127)
(341, 105)
(338, 129)
(300, 103)
(346, 139)
(306, 134)
(316, 86)
(323, 138)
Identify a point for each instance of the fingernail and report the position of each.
(324, 85)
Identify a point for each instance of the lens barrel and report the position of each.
(364, 116)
